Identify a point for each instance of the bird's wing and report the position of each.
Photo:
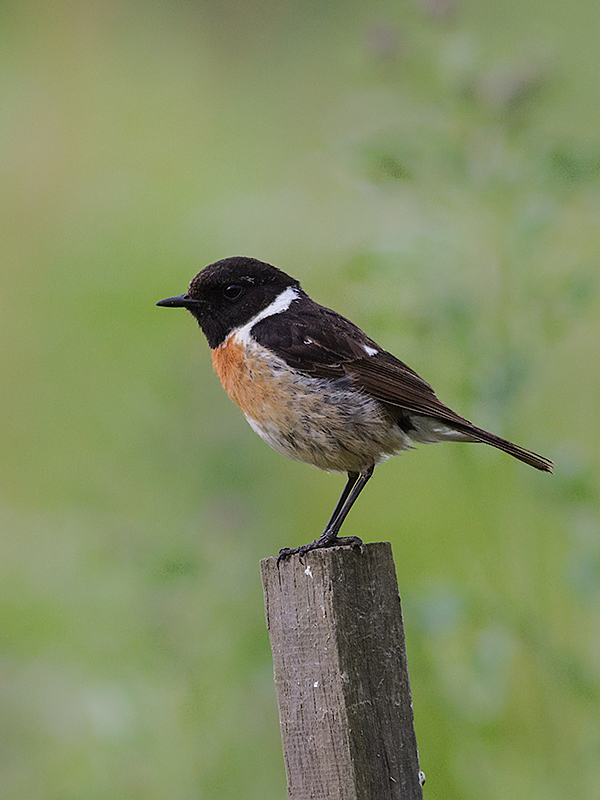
(389, 380)
(322, 344)
(313, 339)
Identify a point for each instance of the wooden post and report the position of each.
(341, 676)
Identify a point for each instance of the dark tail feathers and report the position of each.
(533, 459)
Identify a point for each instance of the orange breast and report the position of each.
(244, 377)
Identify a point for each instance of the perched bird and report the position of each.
(313, 385)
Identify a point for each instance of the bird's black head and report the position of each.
(229, 293)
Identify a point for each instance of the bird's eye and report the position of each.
(232, 292)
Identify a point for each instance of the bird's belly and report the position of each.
(325, 423)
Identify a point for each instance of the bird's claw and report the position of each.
(288, 552)
(320, 544)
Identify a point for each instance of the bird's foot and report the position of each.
(319, 544)
(288, 552)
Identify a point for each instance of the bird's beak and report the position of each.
(179, 301)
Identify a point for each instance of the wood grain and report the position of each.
(341, 675)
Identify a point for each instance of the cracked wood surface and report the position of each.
(341, 675)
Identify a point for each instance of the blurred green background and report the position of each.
(432, 170)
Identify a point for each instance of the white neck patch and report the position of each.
(281, 303)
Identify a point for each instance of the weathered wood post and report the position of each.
(341, 676)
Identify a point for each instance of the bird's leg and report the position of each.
(329, 538)
(352, 478)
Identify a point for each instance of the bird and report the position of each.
(314, 386)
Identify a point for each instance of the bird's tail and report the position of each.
(529, 457)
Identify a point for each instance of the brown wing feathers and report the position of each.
(323, 344)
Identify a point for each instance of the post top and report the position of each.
(327, 554)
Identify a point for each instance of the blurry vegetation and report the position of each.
(430, 169)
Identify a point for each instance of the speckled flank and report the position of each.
(326, 424)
